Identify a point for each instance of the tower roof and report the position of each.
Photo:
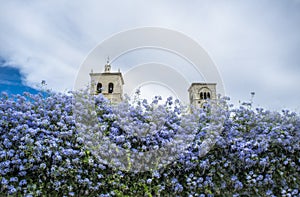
(108, 74)
(201, 84)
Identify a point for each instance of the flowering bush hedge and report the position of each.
(43, 151)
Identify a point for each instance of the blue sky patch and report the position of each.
(11, 80)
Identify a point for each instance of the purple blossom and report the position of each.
(42, 151)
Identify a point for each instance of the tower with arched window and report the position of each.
(108, 83)
(199, 93)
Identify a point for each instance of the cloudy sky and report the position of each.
(255, 44)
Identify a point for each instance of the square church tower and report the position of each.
(108, 83)
(199, 93)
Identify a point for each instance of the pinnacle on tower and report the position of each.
(107, 66)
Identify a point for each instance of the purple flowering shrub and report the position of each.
(47, 147)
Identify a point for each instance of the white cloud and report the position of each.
(253, 43)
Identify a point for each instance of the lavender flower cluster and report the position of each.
(48, 147)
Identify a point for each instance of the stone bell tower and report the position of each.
(199, 93)
(108, 83)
